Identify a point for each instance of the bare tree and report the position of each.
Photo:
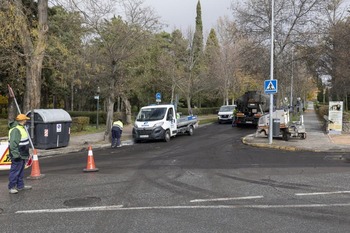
(297, 23)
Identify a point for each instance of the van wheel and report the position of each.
(167, 136)
(190, 131)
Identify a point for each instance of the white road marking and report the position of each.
(66, 210)
(119, 208)
(322, 193)
(227, 199)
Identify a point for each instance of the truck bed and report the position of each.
(186, 120)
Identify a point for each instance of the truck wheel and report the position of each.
(303, 136)
(285, 136)
(167, 136)
(190, 131)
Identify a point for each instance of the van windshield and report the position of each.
(227, 108)
(151, 114)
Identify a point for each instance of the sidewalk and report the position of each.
(317, 140)
(82, 143)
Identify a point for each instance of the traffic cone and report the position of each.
(35, 174)
(90, 167)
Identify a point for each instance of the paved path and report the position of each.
(317, 140)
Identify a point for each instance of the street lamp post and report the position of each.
(97, 97)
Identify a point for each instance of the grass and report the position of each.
(207, 119)
(90, 129)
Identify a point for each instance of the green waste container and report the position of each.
(276, 127)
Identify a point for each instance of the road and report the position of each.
(208, 182)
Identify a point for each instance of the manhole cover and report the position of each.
(83, 201)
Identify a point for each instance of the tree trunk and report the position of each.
(12, 110)
(188, 98)
(127, 106)
(34, 49)
(110, 111)
(33, 85)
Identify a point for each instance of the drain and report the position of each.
(82, 202)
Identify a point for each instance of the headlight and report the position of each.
(135, 125)
(158, 124)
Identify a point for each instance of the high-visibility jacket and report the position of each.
(118, 124)
(18, 142)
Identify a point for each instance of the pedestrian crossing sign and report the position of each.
(270, 86)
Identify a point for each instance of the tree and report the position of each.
(296, 24)
(28, 21)
(64, 64)
(34, 43)
(192, 85)
(214, 71)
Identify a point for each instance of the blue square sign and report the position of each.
(270, 86)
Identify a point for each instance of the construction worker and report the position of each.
(18, 153)
(234, 114)
(117, 130)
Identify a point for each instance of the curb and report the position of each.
(278, 147)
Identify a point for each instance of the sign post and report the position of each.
(270, 87)
(272, 65)
(158, 97)
(335, 117)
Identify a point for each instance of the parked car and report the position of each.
(225, 114)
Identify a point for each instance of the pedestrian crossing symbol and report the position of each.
(270, 86)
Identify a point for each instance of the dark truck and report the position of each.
(250, 107)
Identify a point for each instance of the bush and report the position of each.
(323, 110)
(102, 116)
(4, 130)
(199, 111)
(80, 123)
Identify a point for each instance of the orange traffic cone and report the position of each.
(90, 167)
(35, 174)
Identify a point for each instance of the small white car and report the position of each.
(225, 114)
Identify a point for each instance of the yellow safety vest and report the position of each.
(118, 124)
(23, 146)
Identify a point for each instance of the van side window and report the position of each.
(170, 114)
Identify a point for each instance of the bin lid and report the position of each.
(50, 115)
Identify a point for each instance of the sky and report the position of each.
(181, 14)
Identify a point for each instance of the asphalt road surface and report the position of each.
(208, 182)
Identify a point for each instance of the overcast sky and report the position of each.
(181, 14)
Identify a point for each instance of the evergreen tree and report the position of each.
(198, 34)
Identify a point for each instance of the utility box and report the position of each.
(276, 127)
(51, 128)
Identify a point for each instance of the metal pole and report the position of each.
(97, 104)
(291, 82)
(271, 67)
(98, 100)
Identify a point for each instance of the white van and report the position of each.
(159, 122)
(225, 114)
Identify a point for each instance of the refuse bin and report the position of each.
(51, 128)
(276, 127)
